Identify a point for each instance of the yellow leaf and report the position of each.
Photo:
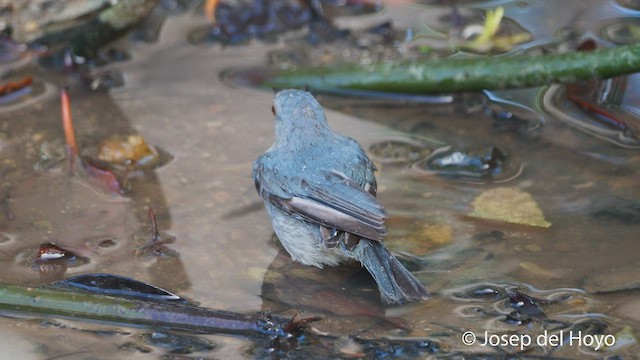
(491, 25)
(510, 205)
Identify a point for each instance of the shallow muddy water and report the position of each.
(582, 270)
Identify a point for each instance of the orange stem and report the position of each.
(15, 86)
(67, 122)
(210, 9)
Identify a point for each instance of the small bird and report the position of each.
(319, 189)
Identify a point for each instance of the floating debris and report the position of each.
(129, 151)
(491, 37)
(469, 29)
(155, 245)
(21, 93)
(484, 292)
(525, 304)
(116, 285)
(541, 311)
(14, 86)
(597, 107)
(50, 251)
(510, 205)
(49, 260)
(596, 120)
(52, 261)
(105, 80)
(488, 165)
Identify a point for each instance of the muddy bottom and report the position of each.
(564, 285)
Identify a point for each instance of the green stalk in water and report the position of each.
(135, 312)
(274, 335)
(469, 74)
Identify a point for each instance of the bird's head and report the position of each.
(298, 117)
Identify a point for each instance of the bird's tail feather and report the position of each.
(397, 285)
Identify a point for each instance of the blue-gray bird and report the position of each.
(319, 189)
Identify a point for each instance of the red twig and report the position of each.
(210, 9)
(155, 234)
(67, 122)
(596, 109)
(10, 87)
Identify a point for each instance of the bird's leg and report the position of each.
(330, 237)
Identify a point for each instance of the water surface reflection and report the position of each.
(581, 271)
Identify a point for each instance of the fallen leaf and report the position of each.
(510, 205)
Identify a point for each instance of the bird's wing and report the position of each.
(268, 183)
(339, 203)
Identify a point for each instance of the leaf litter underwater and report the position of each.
(488, 276)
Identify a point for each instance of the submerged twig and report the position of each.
(210, 7)
(67, 122)
(14, 86)
(156, 244)
(155, 233)
(94, 169)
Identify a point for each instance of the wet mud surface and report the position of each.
(489, 277)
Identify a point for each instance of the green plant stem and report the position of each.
(469, 74)
(132, 312)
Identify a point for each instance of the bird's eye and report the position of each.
(273, 110)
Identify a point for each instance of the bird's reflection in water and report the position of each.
(346, 296)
